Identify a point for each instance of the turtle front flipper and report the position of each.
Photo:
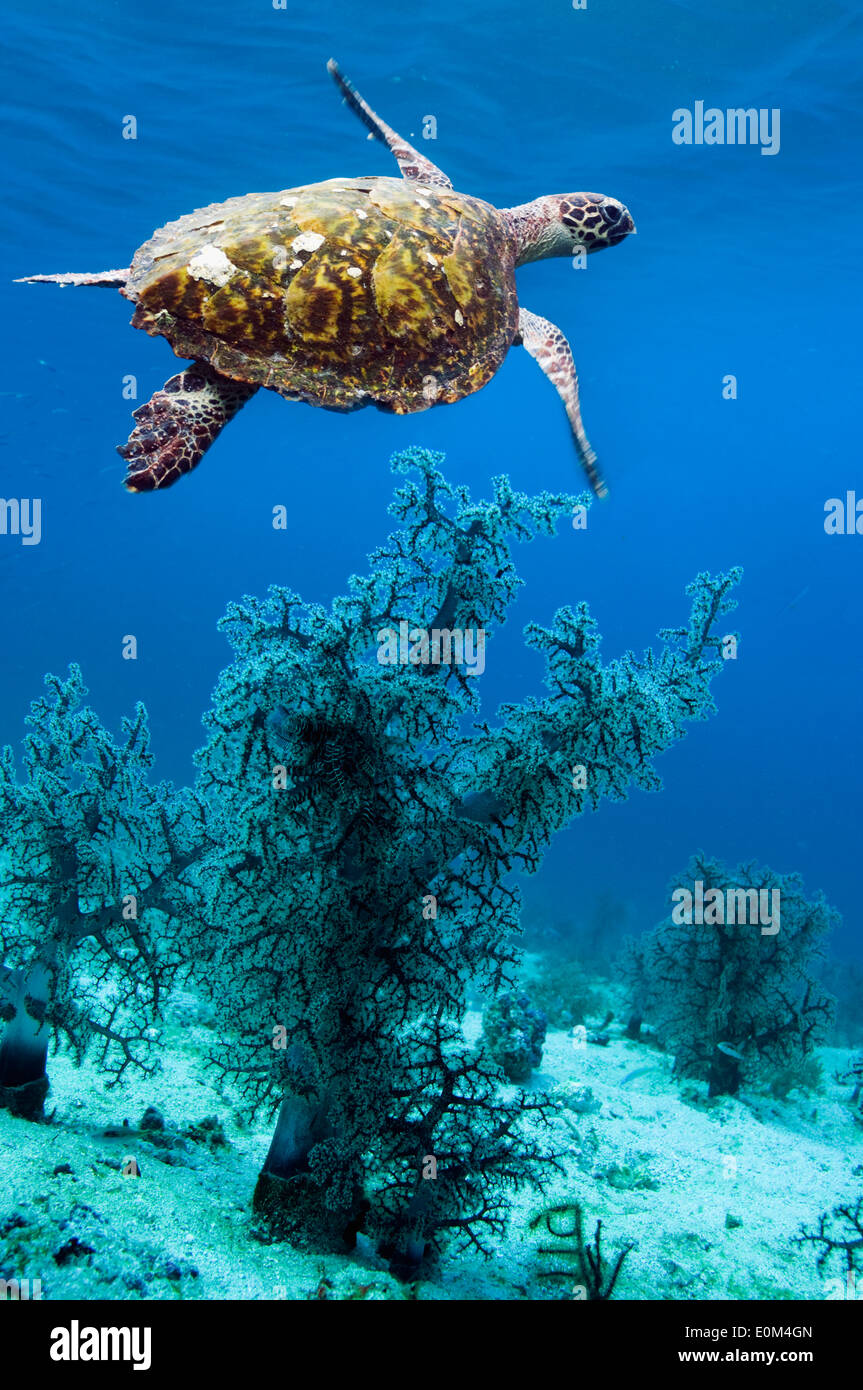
(412, 164)
(548, 346)
(178, 424)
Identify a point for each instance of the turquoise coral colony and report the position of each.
(340, 873)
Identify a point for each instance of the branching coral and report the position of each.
(839, 1237)
(365, 835)
(453, 1150)
(734, 995)
(88, 882)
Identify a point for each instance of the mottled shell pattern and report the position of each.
(345, 293)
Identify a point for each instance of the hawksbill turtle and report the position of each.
(394, 292)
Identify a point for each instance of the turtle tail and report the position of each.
(111, 279)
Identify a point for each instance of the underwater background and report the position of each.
(745, 264)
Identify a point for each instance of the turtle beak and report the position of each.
(620, 234)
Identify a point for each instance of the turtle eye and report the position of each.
(610, 212)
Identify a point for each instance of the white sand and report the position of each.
(772, 1164)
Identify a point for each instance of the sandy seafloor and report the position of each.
(656, 1162)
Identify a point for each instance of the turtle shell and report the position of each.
(344, 293)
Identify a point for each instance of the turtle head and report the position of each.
(562, 224)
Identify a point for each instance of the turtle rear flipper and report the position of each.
(178, 424)
(413, 165)
(111, 279)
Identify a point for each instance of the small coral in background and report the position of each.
(593, 937)
(843, 978)
(733, 998)
(514, 1032)
(804, 1074)
(577, 1097)
(561, 990)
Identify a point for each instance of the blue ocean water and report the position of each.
(744, 264)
